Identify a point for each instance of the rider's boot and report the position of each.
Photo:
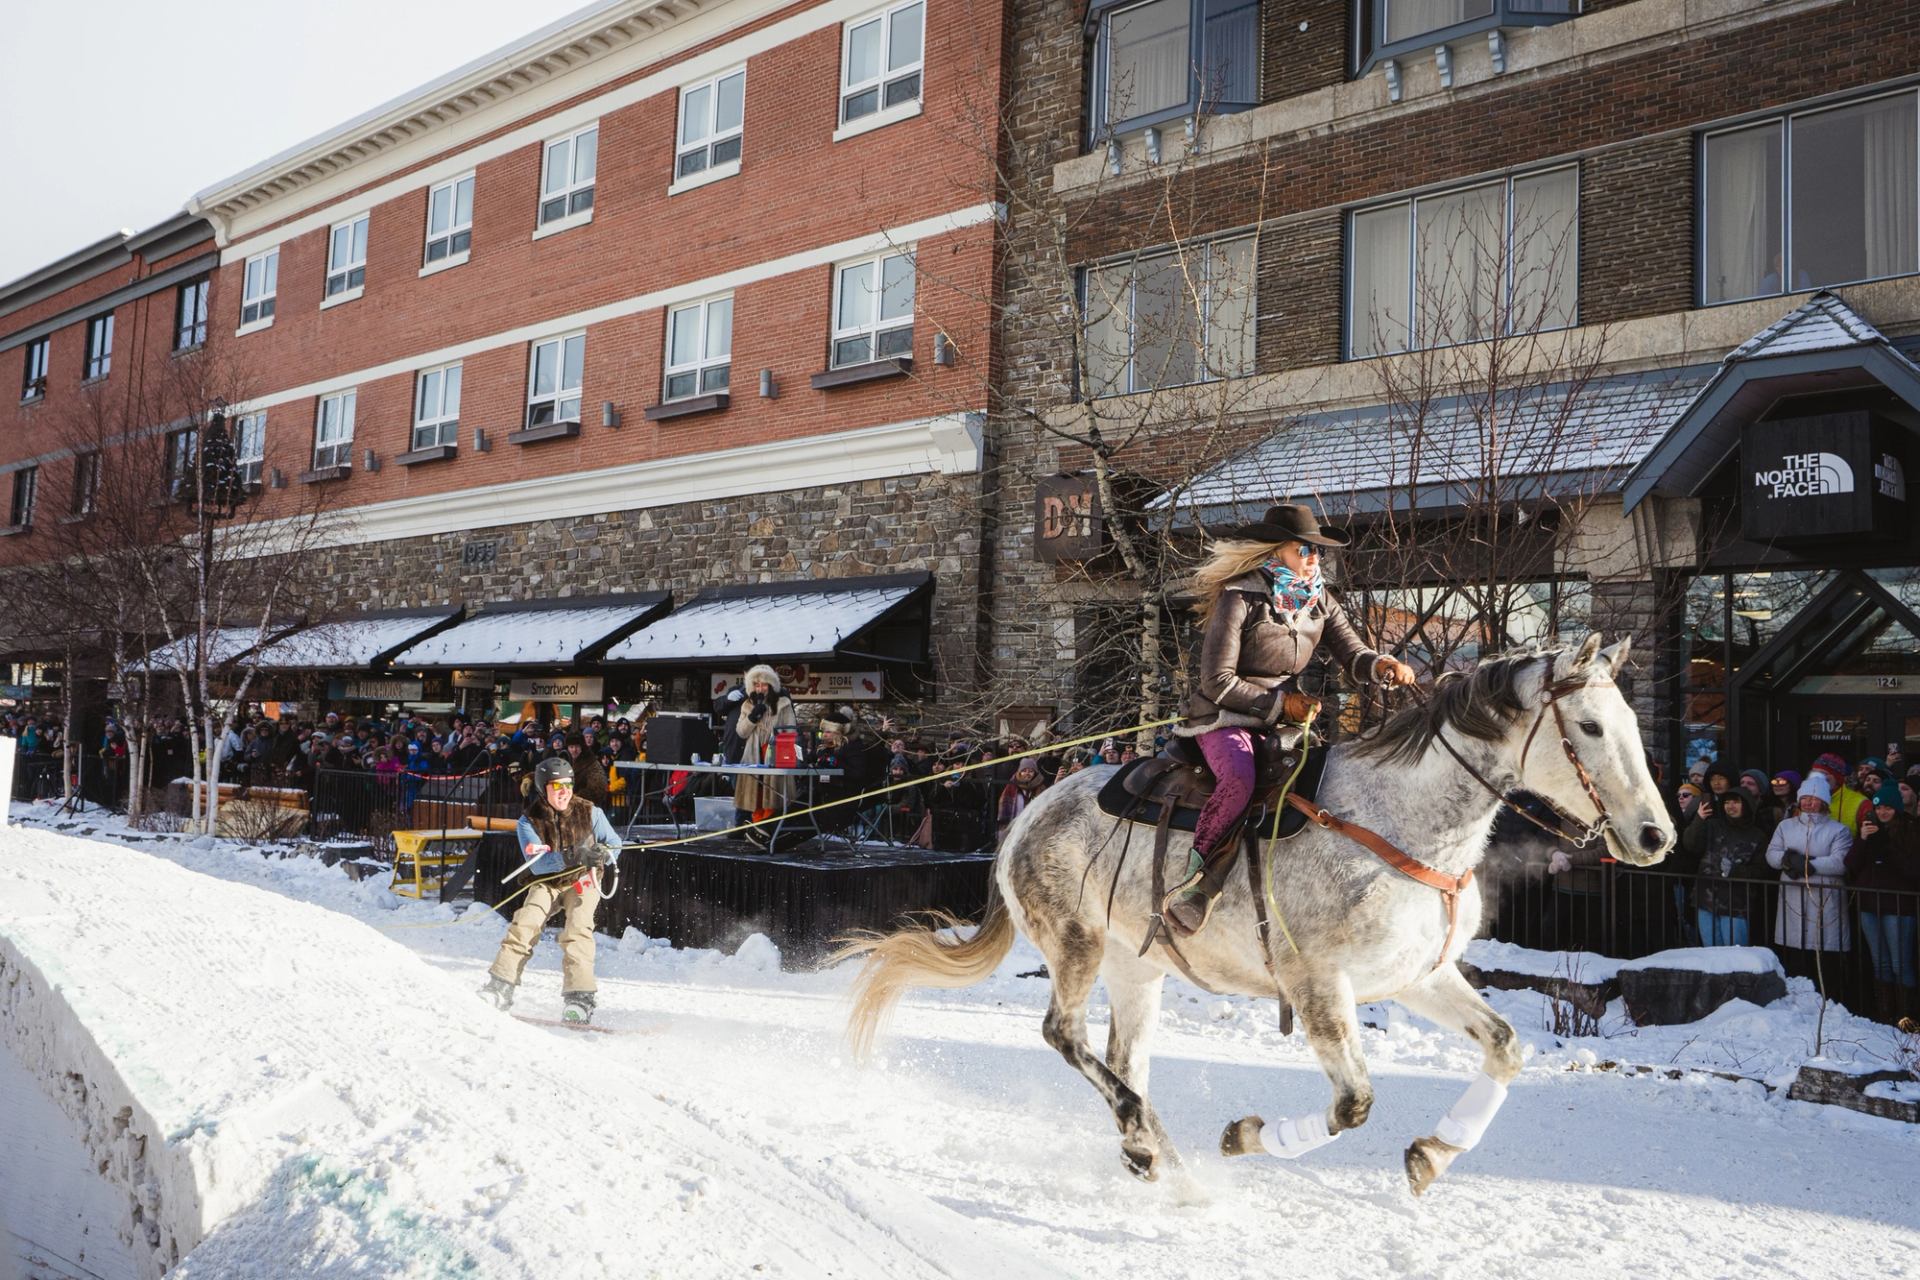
(1189, 905)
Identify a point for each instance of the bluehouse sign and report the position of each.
(1832, 475)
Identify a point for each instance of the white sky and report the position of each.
(113, 112)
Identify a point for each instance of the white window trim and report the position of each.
(243, 461)
(837, 335)
(567, 223)
(429, 266)
(264, 322)
(701, 363)
(1410, 202)
(713, 108)
(878, 120)
(346, 268)
(731, 169)
(566, 193)
(413, 434)
(879, 82)
(559, 392)
(350, 399)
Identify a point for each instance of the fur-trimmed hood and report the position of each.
(761, 671)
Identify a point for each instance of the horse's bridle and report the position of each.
(1549, 701)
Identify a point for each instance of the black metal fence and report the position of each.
(1859, 943)
(99, 780)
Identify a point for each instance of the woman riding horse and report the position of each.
(1265, 609)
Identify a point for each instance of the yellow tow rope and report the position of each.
(1051, 747)
(1279, 806)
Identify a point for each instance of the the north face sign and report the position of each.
(1828, 476)
(1807, 475)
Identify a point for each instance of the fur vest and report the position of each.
(566, 831)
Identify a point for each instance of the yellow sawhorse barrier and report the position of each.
(429, 854)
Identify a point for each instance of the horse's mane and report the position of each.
(1480, 703)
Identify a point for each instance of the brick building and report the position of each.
(1427, 262)
(667, 297)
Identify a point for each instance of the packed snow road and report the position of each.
(320, 1093)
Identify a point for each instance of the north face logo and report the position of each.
(1807, 475)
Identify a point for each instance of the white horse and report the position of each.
(1429, 782)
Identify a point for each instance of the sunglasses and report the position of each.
(559, 786)
(1309, 549)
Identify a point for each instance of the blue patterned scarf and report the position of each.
(1291, 592)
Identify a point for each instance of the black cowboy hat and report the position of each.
(1286, 522)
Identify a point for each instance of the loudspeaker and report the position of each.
(676, 738)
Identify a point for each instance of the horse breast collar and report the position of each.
(1449, 886)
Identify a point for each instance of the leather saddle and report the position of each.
(1179, 777)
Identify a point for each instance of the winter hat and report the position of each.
(1828, 762)
(1889, 795)
(1790, 777)
(1688, 789)
(1760, 780)
(1874, 764)
(761, 671)
(1718, 770)
(1818, 787)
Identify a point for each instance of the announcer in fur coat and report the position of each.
(763, 712)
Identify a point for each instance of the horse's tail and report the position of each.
(917, 956)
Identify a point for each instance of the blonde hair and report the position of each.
(1227, 559)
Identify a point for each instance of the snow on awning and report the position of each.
(353, 642)
(223, 646)
(536, 633)
(781, 622)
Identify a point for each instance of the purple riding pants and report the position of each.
(1229, 754)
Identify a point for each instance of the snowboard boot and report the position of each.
(498, 992)
(578, 1006)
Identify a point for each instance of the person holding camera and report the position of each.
(764, 711)
(558, 832)
(1884, 866)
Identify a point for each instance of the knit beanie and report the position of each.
(1818, 787)
(1889, 795)
(1828, 762)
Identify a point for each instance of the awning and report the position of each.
(223, 646)
(536, 633)
(354, 643)
(860, 619)
(1821, 346)
(1558, 439)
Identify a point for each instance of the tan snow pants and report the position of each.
(576, 934)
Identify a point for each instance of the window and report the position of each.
(1465, 265)
(333, 431)
(1169, 58)
(86, 483)
(99, 347)
(33, 379)
(190, 315)
(250, 446)
(873, 309)
(566, 175)
(881, 61)
(261, 283)
(710, 116)
(553, 380)
(347, 256)
(1407, 28)
(26, 481)
(699, 347)
(1172, 318)
(450, 220)
(183, 450)
(436, 408)
(1819, 198)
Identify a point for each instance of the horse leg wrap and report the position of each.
(1291, 1139)
(1467, 1122)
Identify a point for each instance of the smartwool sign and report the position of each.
(1833, 475)
(558, 689)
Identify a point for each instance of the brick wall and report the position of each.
(1300, 292)
(1637, 230)
(1296, 61)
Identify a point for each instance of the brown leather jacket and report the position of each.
(1252, 652)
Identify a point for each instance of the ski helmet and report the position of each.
(548, 772)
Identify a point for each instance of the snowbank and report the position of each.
(268, 1081)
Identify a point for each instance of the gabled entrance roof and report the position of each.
(1822, 345)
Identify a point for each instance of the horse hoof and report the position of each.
(1427, 1159)
(1141, 1163)
(1242, 1137)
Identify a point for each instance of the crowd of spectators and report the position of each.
(1842, 841)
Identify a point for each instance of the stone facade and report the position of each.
(874, 526)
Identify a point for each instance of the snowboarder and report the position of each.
(558, 832)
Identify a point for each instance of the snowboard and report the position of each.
(586, 1026)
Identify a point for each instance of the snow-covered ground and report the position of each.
(291, 1075)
